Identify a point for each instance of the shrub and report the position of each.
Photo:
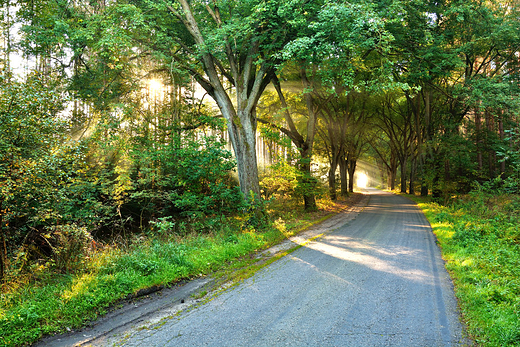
(70, 244)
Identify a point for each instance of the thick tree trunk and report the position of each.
(393, 170)
(243, 140)
(309, 199)
(391, 179)
(247, 168)
(249, 79)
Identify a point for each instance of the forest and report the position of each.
(129, 128)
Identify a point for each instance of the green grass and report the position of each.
(479, 236)
(45, 303)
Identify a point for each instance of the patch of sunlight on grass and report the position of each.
(467, 262)
(443, 230)
(80, 286)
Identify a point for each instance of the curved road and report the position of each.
(378, 280)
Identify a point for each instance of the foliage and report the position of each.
(168, 173)
(69, 244)
(479, 237)
(50, 200)
(30, 130)
(440, 92)
(280, 180)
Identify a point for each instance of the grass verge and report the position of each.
(48, 303)
(479, 236)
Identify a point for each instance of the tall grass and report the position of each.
(479, 235)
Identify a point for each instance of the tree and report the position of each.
(457, 67)
(230, 48)
(29, 131)
(344, 134)
(329, 51)
(302, 136)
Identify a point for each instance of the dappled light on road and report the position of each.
(377, 259)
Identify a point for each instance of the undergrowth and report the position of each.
(479, 235)
(43, 302)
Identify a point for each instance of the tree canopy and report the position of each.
(126, 107)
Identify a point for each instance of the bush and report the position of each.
(70, 244)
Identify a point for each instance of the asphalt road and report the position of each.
(377, 280)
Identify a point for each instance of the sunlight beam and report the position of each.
(362, 180)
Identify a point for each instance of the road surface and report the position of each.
(376, 280)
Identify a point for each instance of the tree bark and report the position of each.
(307, 182)
(332, 177)
(412, 176)
(343, 173)
(309, 197)
(244, 146)
(391, 178)
(351, 171)
(393, 169)
(427, 122)
(403, 175)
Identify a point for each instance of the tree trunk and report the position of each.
(412, 176)
(403, 175)
(249, 79)
(391, 179)
(304, 145)
(393, 169)
(243, 140)
(332, 181)
(427, 122)
(351, 171)
(332, 175)
(307, 182)
(343, 172)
